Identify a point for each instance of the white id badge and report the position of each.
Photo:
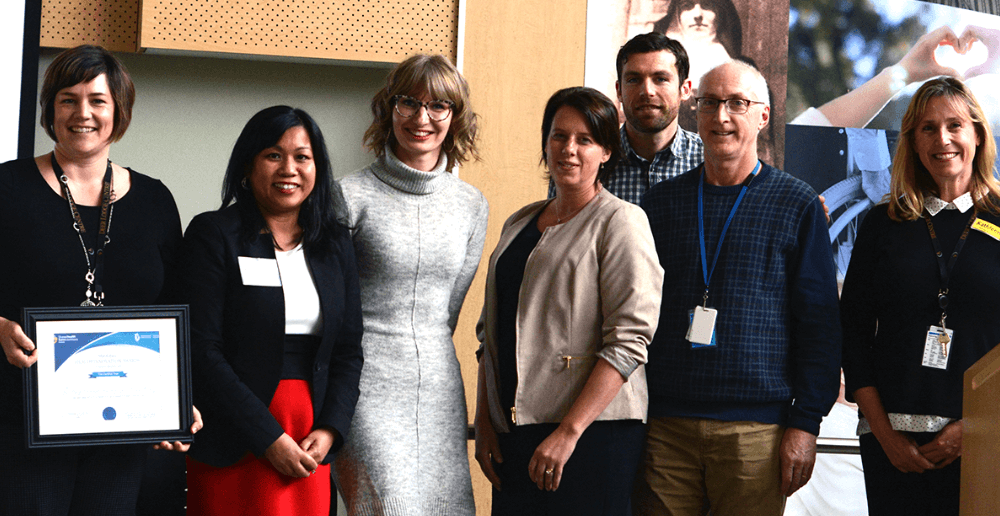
(936, 354)
(701, 332)
(259, 272)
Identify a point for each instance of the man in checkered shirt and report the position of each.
(652, 83)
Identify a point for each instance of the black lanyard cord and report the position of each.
(95, 292)
(945, 267)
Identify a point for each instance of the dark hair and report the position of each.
(602, 120)
(321, 216)
(654, 42)
(84, 64)
(441, 80)
(728, 27)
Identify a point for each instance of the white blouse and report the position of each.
(302, 310)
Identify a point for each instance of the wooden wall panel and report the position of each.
(359, 30)
(517, 53)
(113, 24)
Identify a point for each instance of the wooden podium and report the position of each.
(981, 437)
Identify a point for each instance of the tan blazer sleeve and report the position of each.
(631, 283)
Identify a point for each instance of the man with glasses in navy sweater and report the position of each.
(746, 360)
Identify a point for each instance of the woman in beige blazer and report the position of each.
(572, 301)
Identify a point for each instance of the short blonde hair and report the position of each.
(442, 81)
(912, 183)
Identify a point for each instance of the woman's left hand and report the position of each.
(946, 446)
(603, 384)
(546, 466)
(177, 445)
(317, 444)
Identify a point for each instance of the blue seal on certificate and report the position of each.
(110, 414)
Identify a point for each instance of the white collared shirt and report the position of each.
(934, 205)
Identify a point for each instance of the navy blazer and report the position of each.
(237, 339)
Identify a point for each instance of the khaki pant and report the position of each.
(691, 466)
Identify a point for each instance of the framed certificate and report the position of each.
(108, 375)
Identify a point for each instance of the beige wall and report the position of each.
(189, 111)
(516, 54)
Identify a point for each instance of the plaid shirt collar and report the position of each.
(634, 174)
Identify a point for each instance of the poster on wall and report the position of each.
(858, 63)
(853, 68)
(711, 31)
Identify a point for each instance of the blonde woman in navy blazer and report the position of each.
(280, 403)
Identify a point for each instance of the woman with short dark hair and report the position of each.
(80, 229)
(275, 325)
(572, 301)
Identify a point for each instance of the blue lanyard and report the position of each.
(706, 273)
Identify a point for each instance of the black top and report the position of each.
(300, 353)
(890, 299)
(43, 263)
(509, 275)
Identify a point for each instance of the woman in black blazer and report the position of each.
(275, 325)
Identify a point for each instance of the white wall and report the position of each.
(189, 111)
(12, 41)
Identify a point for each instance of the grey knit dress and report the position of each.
(418, 238)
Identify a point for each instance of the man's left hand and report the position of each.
(826, 209)
(798, 456)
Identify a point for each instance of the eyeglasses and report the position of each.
(437, 110)
(733, 106)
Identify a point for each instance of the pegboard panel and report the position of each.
(359, 30)
(113, 24)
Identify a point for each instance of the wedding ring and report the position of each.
(548, 472)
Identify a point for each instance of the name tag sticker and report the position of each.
(701, 332)
(987, 228)
(259, 272)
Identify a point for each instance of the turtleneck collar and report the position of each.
(401, 176)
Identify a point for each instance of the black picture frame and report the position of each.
(62, 410)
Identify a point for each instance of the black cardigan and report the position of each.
(43, 263)
(890, 298)
(237, 335)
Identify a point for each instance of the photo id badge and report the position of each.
(937, 347)
(701, 332)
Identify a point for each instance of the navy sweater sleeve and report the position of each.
(815, 324)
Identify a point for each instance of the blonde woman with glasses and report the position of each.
(418, 233)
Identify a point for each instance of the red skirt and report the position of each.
(252, 485)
